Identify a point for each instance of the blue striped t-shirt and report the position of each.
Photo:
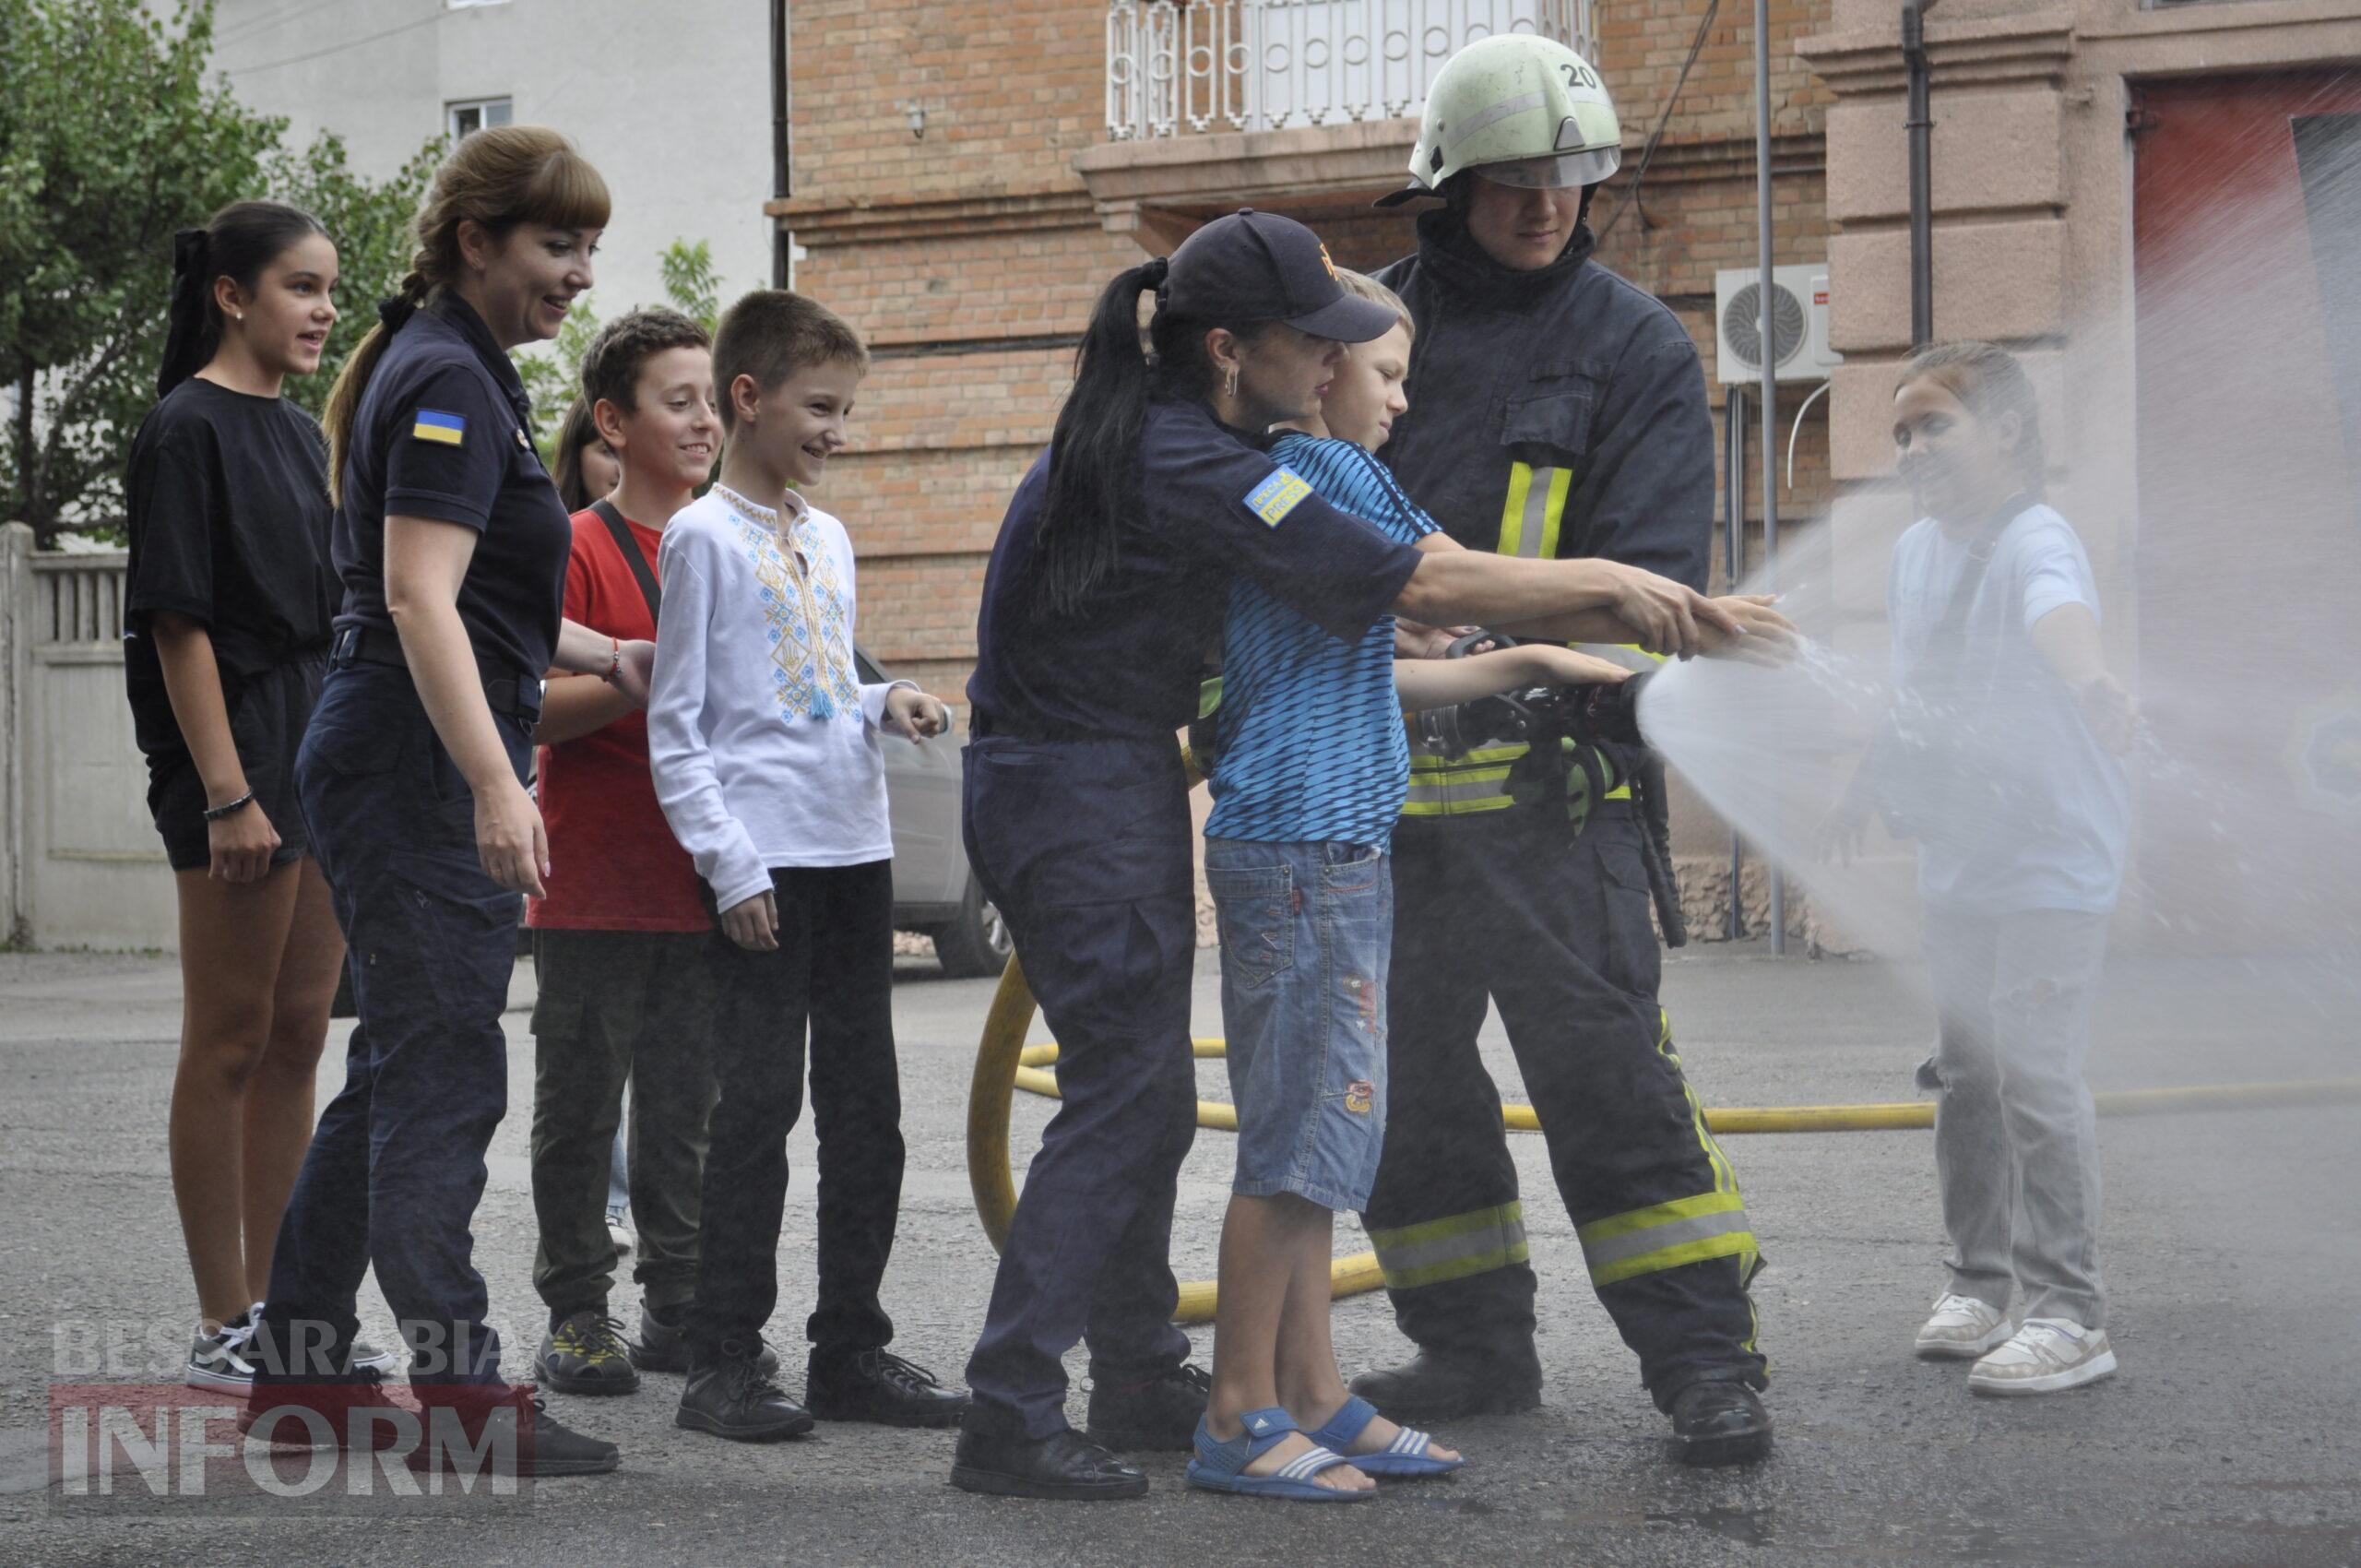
(1309, 744)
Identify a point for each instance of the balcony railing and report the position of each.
(1181, 67)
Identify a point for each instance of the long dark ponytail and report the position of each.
(1094, 452)
(242, 238)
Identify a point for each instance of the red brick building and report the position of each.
(960, 196)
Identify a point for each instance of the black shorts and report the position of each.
(267, 714)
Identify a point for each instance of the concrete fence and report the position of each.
(80, 864)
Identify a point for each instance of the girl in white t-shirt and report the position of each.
(2001, 758)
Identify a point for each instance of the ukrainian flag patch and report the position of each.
(1277, 496)
(433, 424)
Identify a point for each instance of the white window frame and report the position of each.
(483, 108)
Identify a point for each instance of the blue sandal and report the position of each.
(1221, 1467)
(1409, 1455)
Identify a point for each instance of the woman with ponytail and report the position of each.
(452, 543)
(1105, 593)
(228, 606)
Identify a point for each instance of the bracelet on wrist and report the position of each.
(215, 813)
(614, 661)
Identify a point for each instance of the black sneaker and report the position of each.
(1064, 1467)
(663, 1343)
(879, 1386)
(731, 1396)
(544, 1445)
(1160, 1414)
(1431, 1389)
(585, 1354)
(1720, 1421)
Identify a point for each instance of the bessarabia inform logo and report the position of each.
(332, 1446)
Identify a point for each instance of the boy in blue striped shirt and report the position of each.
(1312, 766)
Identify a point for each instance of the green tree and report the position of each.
(555, 378)
(109, 140)
(372, 225)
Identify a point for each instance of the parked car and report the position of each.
(934, 893)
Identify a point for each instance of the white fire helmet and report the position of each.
(1519, 108)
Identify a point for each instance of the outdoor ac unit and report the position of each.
(1799, 323)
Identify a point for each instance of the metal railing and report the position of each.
(1183, 68)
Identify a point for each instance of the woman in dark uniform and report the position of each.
(452, 545)
(1104, 591)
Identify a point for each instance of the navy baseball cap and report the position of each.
(1260, 266)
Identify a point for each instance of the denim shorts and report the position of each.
(1306, 933)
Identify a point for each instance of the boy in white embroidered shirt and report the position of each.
(766, 753)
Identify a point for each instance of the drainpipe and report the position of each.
(780, 240)
(1920, 126)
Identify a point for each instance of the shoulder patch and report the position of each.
(433, 424)
(1278, 496)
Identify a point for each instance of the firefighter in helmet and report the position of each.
(1557, 412)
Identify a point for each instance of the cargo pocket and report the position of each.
(457, 927)
(1632, 955)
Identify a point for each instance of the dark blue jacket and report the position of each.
(1587, 381)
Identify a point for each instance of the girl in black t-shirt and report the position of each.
(227, 605)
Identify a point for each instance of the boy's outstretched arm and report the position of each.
(1439, 682)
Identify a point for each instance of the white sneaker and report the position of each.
(2046, 1355)
(1962, 1329)
(216, 1359)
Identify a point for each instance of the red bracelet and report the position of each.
(614, 661)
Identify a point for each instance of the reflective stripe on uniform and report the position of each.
(1662, 1236)
(1536, 504)
(1451, 1247)
(1530, 517)
(1684, 1231)
(1630, 656)
(1477, 782)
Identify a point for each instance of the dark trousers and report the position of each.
(613, 1006)
(833, 974)
(397, 1165)
(1084, 847)
(1555, 930)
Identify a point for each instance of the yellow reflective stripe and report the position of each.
(1422, 761)
(1725, 1178)
(1666, 1235)
(1739, 1244)
(1453, 1247)
(1457, 808)
(1532, 510)
(1512, 509)
(1561, 482)
(1681, 1230)
(1630, 656)
(1439, 780)
(1624, 1224)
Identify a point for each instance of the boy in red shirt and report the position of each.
(620, 944)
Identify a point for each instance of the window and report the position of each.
(474, 114)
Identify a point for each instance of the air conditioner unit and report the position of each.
(1799, 323)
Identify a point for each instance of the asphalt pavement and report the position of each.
(2233, 1248)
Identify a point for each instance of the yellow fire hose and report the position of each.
(1004, 1063)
